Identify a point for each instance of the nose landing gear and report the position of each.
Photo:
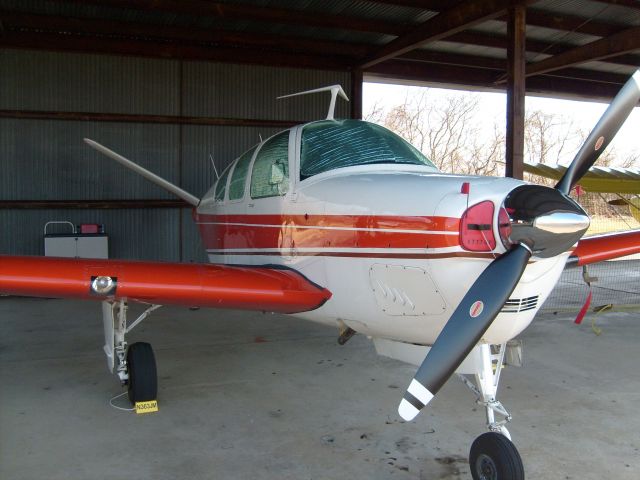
(134, 364)
(493, 455)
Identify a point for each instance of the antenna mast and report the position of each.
(335, 91)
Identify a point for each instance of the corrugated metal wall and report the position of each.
(47, 160)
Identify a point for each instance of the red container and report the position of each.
(89, 228)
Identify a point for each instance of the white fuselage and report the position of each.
(384, 239)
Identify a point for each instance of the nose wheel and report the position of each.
(143, 379)
(494, 457)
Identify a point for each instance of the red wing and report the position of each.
(219, 286)
(606, 247)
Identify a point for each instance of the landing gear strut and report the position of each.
(134, 364)
(493, 456)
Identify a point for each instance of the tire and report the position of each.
(494, 457)
(143, 377)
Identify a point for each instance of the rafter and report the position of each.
(445, 24)
(157, 49)
(164, 33)
(228, 11)
(571, 23)
(483, 79)
(617, 44)
(535, 46)
(622, 3)
(499, 66)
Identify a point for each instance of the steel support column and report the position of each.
(356, 94)
(516, 27)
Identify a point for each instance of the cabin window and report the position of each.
(221, 186)
(331, 144)
(270, 175)
(238, 179)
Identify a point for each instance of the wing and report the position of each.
(273, 289)
(605, 247)
(597, 179)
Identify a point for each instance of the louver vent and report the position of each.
(515, 305)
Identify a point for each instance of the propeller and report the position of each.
(544, 222)
(604, 131)
(468, 323)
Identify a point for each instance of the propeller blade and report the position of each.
(469, 321)
(604, 131)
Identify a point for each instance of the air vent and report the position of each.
(516, 305)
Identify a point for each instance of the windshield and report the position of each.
(331, 144)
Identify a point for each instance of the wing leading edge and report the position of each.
(270, 289)
(605, 247)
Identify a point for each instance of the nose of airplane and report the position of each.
(544, 219)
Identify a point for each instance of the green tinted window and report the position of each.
(222, 183)
(329, 144)
(236, 186)
(270, 175)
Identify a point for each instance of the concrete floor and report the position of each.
(270, 397)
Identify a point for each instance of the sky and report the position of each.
(583, 115)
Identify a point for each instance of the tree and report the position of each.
(452, 133)
(445, 130)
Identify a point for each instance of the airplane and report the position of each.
(344, 223)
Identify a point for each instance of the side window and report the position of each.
(221, 185)
(270, 175)
(236, 186)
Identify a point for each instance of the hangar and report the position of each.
(176, 84)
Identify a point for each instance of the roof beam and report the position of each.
(158, 49)
(535, 46)
(445, 24)
(500, 65)
(483, 79)
(617, 44)
(228, 11)
(622, 3)
(570, 23)
(147, 31)
(536, 17)
(433, 5)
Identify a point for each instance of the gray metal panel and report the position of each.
(133, 234)
(241, 91)
(33, 80)
(47, 160)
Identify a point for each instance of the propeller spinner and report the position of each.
(544, 222)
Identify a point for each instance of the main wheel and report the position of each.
(494, 457)
(143, 378)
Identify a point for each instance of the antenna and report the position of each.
(260, 137)
(214, 166)
(335, 91)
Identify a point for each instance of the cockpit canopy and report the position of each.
(330, 144)
(264, 170)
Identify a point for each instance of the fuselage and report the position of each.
(386, 238)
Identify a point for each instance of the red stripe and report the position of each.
(288, 235)
(368, 254)
(447, 224)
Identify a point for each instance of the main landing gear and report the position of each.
(493, 455)
(135, 364)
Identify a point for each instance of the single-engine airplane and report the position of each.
(342, 222)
